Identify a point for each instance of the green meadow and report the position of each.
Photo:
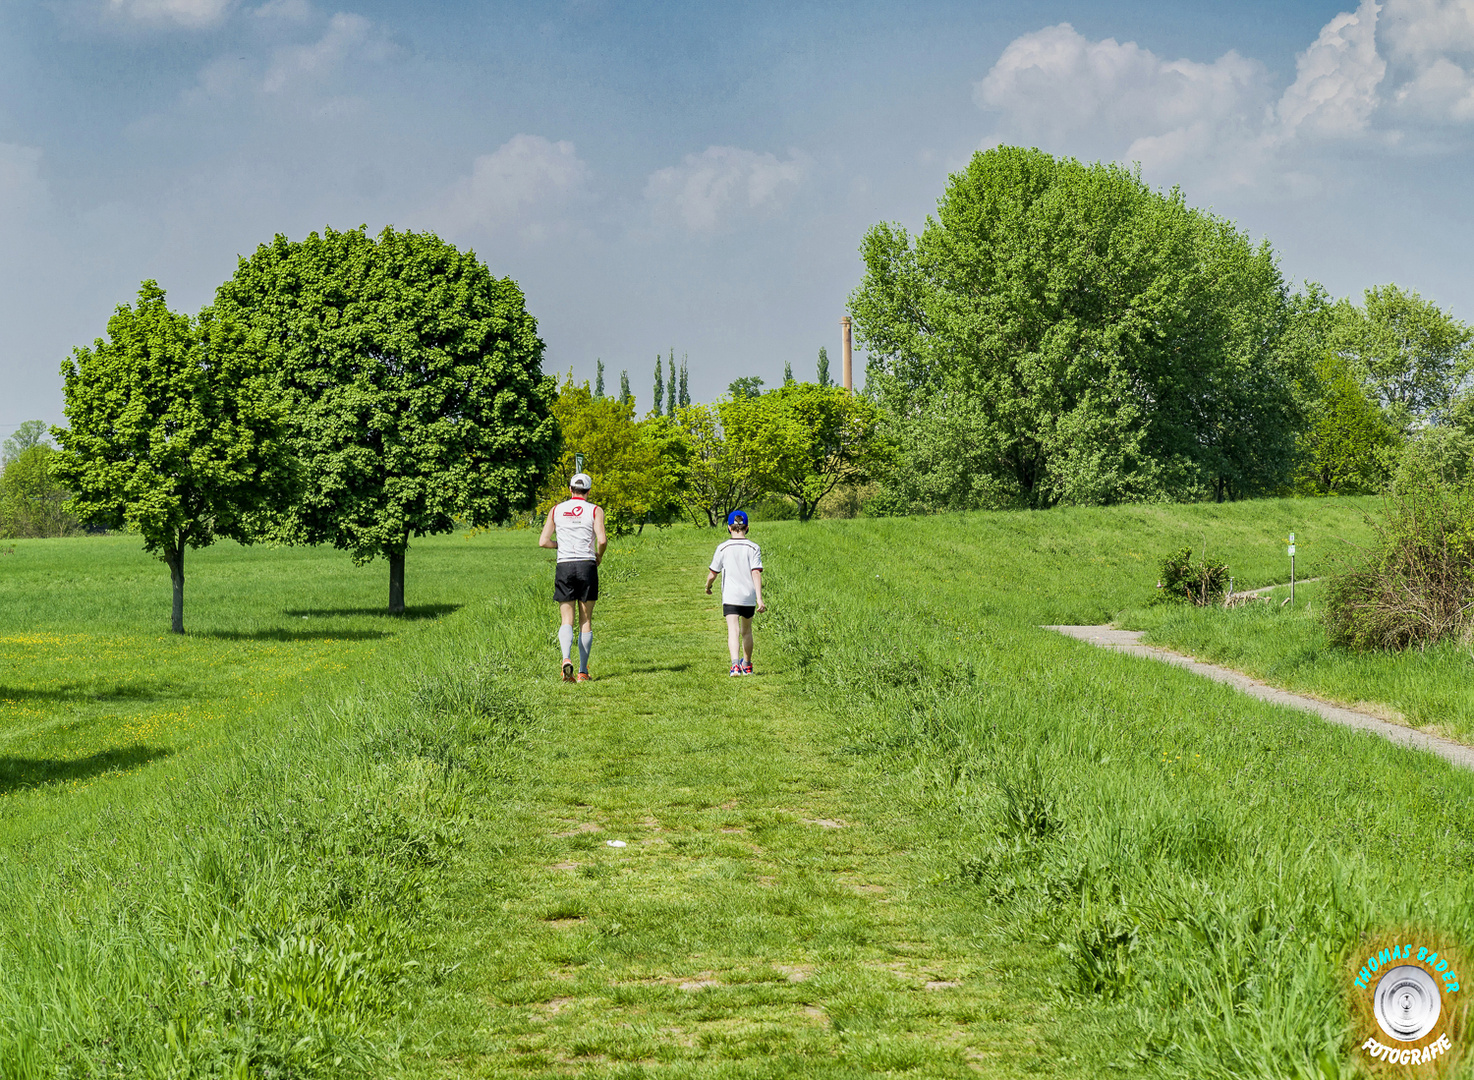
(927, 838)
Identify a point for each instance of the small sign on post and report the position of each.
(1292, 570)
(578, 467)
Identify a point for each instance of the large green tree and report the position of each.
(1348, 444)
(822, 436)
(1100, 341)
(414, 379)
(174, 429)
(1413, 356)
(730, 446)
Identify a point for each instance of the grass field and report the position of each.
(927, 839)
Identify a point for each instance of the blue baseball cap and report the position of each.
(737, 517)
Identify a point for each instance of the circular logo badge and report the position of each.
(1407, 1003)
(1405, 999)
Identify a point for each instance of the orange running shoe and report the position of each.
(567, 670)
(584, 676)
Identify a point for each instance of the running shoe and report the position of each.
(736, 668)
(567, 670)
(583, 676)
(747, 667)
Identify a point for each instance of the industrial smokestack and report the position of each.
(848, 371)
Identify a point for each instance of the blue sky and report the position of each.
(691, 176)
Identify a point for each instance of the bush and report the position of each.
(1183, 583)
(1415, 585)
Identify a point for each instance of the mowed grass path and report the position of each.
(767, 916)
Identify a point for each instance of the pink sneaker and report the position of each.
(736, 668)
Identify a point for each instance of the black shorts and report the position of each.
(747, 611)
(576, 581)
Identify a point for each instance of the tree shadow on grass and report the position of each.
(19, 774)
(412, 611)
(89, 693)
(282, 634)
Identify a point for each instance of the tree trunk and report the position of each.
(396, 579)
(174, 559)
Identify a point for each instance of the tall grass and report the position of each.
(256, 904)
(1203, 862)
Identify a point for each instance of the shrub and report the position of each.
(1183, 583)
(1415, 585)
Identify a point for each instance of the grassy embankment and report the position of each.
(1429, 688)
(929, 837)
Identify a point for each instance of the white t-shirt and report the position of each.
(574, 521)
(735, 560)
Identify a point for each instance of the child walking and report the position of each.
(740, 562)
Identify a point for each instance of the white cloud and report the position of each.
(347, 37)
(1336, 79)
(707, 191)
(1057, 81)
(1430, 44)
(515, 186)
(183, 12)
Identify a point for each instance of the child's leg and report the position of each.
(734, 634)
(747, 639)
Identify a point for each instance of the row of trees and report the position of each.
(342, 389)
(704, 460)
(1061, 333)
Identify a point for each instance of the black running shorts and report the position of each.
(747, 611)
(576, 581)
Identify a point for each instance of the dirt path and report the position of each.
(692, 878)
(1129, 641)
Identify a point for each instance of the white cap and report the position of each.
(581, 482)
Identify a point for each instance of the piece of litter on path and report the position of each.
(615, 843)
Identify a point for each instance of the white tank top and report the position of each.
(574, 522)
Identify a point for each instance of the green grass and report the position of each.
(1424, 688)
(928, 839)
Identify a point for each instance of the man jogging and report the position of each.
(740, 562)
(579, 526)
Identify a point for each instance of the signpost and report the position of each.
(1292, 570)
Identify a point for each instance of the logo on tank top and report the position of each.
(575, 511)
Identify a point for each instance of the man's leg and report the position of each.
(734, 636)
(585, 634)
(747, 640)
(565, 636)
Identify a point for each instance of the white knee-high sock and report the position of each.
(565, 638)
(585, 646)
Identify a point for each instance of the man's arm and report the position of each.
(600, 539)
(546, 539)
(757, 583)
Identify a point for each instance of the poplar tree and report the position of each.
(659, 383)
(788, 372)
(599, 381)
(175, 432)
(625, 397)
(670, 387)
(685, 393)
(823, 379)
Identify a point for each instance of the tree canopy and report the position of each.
(819, 437)
(1100, 341)
(174, 430)
(415, 385)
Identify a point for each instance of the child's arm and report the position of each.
(757, 583)
(711, 575)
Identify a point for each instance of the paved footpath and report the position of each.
(1129, 641)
